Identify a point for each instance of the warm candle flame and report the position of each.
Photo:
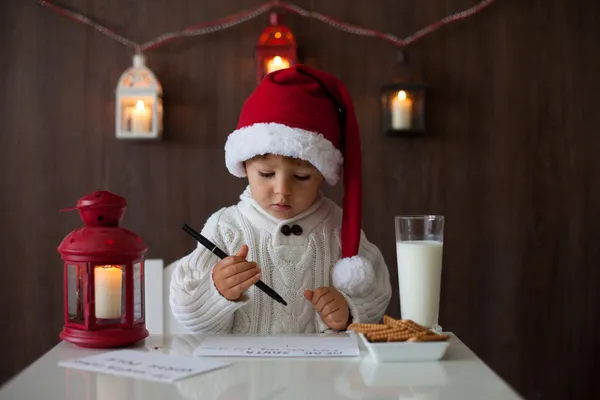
(276, 63)
(402, 95)
(277, 35)
(139, 105)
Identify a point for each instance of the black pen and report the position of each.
(221, 254)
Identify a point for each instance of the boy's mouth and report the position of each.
(281, 206)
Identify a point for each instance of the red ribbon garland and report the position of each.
(232, 20)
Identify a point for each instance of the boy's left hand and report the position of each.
(331, 305)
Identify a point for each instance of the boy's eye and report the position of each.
(266, 174)
(302, 177)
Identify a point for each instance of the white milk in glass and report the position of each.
(419, 276)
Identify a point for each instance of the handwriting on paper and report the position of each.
(279, 346)
(150, 366)
(270, 351)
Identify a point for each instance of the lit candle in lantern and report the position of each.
(107, 289)
(277, 63)
(401, 111)
(140, 118)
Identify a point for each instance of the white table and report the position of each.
(461, 375)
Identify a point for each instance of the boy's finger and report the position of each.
(243, 252)
(318, 293)
(242, 287)
(236, 279)
(227, 261)
(323, 301)
(239, 257)
(329, 309)
(308, 294)
(238, 268)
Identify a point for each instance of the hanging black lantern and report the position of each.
(403, 102)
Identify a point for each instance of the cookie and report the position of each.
(430, 337)
(363, 328)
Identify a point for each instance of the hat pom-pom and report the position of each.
(353, 276)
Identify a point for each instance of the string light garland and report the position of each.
(236, 19)
(139, 107)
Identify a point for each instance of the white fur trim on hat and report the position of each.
(353, 276)
(274, 138)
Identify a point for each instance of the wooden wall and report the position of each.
(511, 158)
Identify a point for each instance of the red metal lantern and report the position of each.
(276, 48)
(103, 276)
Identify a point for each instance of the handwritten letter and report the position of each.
(137, 364)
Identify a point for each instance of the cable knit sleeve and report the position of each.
(370, 306)
(195, 301)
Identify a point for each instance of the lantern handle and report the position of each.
(402, 57)
(274, 18)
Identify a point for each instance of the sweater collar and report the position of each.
(308, 220)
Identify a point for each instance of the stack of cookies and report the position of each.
(397, 330)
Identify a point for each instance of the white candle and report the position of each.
(401, 111)
(277, 63)
(140, 118)
(107, 290)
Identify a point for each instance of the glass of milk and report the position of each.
(419, 247)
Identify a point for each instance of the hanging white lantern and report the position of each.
(139, 110)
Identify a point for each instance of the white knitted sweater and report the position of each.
(289, 264)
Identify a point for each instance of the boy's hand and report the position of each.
(233, 275)
(331, 305)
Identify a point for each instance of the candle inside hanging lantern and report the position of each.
(276, 48)
(276, 63)
(139, 118)
(103, 276)
(139, 108)
(401, 110)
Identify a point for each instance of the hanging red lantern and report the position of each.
(276, 48)
(103, 276)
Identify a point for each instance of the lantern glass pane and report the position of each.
(75, 293)
(159, 113)
(109, 293)
(137, 114)
(138, 306)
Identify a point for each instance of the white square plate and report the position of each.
(405, 351)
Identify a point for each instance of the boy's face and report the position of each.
(283, 186)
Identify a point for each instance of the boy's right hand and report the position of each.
(234, 274)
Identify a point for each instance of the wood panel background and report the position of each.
(510, 159)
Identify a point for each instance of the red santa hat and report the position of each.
(306, 113)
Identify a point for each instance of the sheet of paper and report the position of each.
(342, 345)
(138, 364)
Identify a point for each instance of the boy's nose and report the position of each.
(283, 187)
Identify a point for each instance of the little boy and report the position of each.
(297, 130)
